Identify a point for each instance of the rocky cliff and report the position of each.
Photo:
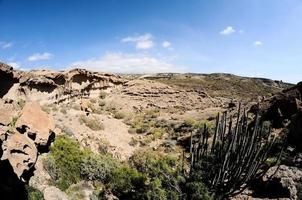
(50, 86)
(25, 133)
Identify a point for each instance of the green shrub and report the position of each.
(91, 122)
(163, 172)
(34, 194)
(103, 95)
(103, 146)
(68, 164)
(299, 189)
(133, 142)
(127, 183)
(119, 115)
(65, 161)
(102, 103)
(98, 167)
(77, 191)
(197, 191)
(63, 111)
(153, 113)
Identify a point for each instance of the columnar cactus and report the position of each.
(234, 155)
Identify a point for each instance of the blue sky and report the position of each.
(246, 37)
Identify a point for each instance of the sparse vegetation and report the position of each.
(222, 85)
(65, 161)
(46, 108)
(119, 115)
(103, 95)
(34, 194)
(92, 122)
(63, 111)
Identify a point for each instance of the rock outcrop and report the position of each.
(50, 86)
(146, 93)
(21, 153)
(282, 183)
(21, 141)
(36, 124)
(284, 110)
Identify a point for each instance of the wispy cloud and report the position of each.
(128, 63)
(167, 45)
(40, 56)
(228, 30)
(258, 43)
(141, 41)
(6, 45)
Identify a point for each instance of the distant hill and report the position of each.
(222, 85)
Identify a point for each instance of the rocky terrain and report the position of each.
(117, 117)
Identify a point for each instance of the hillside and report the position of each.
(79, 134)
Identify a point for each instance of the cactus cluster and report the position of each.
(232, 156)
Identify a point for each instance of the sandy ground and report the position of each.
(115, 132)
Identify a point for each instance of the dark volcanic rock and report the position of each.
(284, 110)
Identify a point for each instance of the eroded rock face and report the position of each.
(288, 178)
(6, 114)
(7, 78)
(51, 86)
(36, 124)
(21, 153)
(284, 110)
(21, 145)
(282, 106)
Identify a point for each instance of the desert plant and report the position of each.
(127, 183)
(63, 111)
(119, 115)
(65, 161)
(103, 95)
(299, 189)
(98, 167)
(163, 173)
(103, 146)
(236, 155)
(102, 103)
(33, 193)
(91, 122)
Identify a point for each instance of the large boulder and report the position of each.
(36, 123)
(21, 153)
(284, 110)
(21, 145)
(288, 179)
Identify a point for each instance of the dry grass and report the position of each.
(92, 122)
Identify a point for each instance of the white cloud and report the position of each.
(141, 42)
(257, 43)
(228, 30)
(15, 65)
(6, 45)
(241, 31)
(128, 63)
(40, 56)
(166, 44)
